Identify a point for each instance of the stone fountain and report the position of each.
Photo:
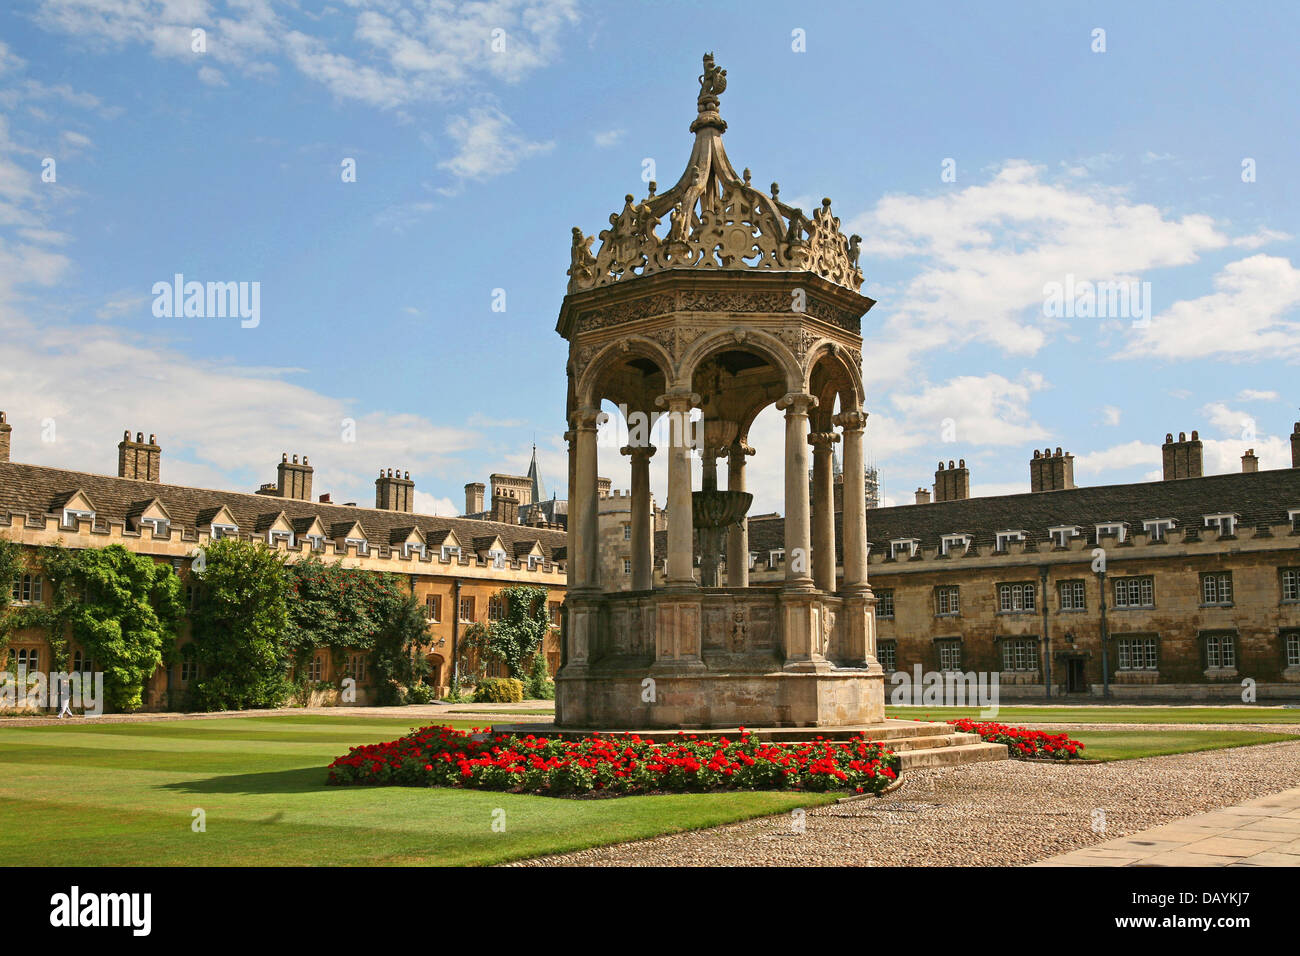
(714, 511)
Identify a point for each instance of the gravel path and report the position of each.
(991, 814)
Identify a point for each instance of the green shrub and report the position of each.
(499, 690)
(419, 694)
(539, 685)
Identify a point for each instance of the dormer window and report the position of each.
(957, 544)
(1004, 539)
(220, 531)
(774, 558)
(361, 544)
(497, 558)
(316, 541)
(1226, 523)
(72, 515)
(1119, 529)
(161, 527)
(1293, 515)
(903, 548)
(1157, 528)
(448, 550)
(1062, 533)
(412, 547)
(535, 561)
(274, 537)
(753, 559)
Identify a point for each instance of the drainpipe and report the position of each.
(1047, 639)
(1105, 640)
(455, 638)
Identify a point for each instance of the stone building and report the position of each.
(1181, 588)
(518, 499)
(454, 567)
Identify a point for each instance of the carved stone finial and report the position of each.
(776, 190)
(746, 175)
(712, 83)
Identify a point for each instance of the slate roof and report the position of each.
(1258, 498)
(31, 489)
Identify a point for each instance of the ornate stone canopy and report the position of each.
(715, 220)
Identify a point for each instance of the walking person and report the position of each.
(65, 695)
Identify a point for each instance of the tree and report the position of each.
(122, 608)
(240, 624)
(349, 609)
(517, 636)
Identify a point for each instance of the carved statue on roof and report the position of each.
(712, 83)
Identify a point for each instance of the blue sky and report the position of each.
(472, 165)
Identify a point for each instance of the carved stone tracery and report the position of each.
(716, 220)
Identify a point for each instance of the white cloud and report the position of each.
(983, 410)
(986, 251)
(607, 138)
(1252, 314)
(1257, 395)
(1110, 415)
(488, 144)
(404, 52)
(1118, 457)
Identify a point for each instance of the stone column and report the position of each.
(584, 570)
(823, 529)
(798, 535)
(681, 545)
(738, 535)
(859, 630)
(642, 541)
(855, 499)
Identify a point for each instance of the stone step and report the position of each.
(951, 756)
(890, 731)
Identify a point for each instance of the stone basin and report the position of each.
(719, 509)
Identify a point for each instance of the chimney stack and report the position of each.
(138, 459)
(952, 484)
(1051, 472)
(395, 491)
(1249, 461)
(293, 480)
(1183, 458)
(1295, 445)
(474, 497)
(505, 505)
(6, 428)
(922, 496)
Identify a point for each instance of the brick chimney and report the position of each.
(1183, 458)
(138, 459)
(394, 491)
(1050, 471)
(293, 480)
(474, 497)
(952, 484)
(6, 428)
(1295, 446)
(922, 496)
(505, 505)
(1249, 461)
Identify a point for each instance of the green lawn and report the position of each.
(123, 794)
(1131, 744)
(1109, 715)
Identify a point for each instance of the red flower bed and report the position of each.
(1022, 743)
(443, 757)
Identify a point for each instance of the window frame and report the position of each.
(1079, 584)
(949, 594)
(1128, 582)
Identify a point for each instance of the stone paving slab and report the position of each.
(1260, 832)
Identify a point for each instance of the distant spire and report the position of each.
(535, 476)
